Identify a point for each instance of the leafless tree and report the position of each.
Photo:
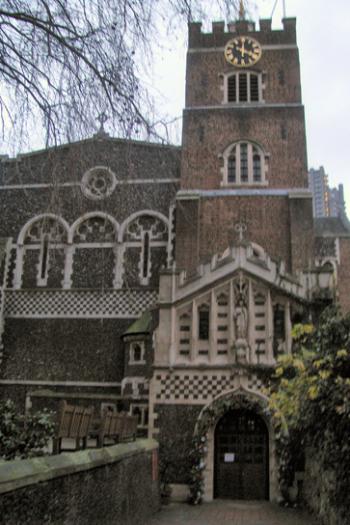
(63, 63)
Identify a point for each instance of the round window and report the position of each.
(98, 183)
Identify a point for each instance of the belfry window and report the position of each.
(243, 87)
(244, 163)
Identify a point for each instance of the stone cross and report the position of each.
(102, 118)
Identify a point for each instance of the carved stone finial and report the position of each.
(241, 228)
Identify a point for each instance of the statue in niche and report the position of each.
(241, 319)
(240, 316)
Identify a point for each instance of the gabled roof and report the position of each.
(252, 260)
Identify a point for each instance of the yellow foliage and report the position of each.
(279, 371)
(300, 330)
(342, 353)
(324, 374)
(313, 392)
(299, 365)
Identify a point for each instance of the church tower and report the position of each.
(244, 162)
(244, 252)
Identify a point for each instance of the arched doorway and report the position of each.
(241, 456)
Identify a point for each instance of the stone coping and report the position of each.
(23, 472)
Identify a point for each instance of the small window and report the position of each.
(145, 256)
(256, 165)
(243, 87)
(231, 88)
(137, 353)
(203, 323)
(254, 88)
(244, 162)
(45, 253)
(231, 168)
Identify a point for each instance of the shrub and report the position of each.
(23, 436)
(310, 402)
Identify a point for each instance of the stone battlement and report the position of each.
(218, 37)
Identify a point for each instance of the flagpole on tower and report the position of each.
(284, 9)
(241, 10)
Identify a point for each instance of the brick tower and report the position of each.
(244, 147)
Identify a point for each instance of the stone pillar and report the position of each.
(213, 328)
(269, 329)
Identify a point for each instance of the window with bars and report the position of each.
(243, 87)
(244, 163)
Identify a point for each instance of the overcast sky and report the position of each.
(322, 29)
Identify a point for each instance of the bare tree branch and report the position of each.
(67, 61)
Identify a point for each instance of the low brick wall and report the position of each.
(113, 485)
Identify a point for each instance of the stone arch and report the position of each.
(144, 236)
(210, 415)
(91, 215)
(41, 239)
(38, 218)
(137, 214)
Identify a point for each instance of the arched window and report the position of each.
(145, 239)
(244, 163)
(243, 87)
(41, 253)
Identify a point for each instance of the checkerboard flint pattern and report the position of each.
(186, 387)
(78, 303)
(194, 387)
(254, 383)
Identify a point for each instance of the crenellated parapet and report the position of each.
(220, 34)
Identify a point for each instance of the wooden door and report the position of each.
(241, 456)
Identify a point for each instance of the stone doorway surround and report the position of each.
(241, 396)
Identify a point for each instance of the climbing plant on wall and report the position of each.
(310, 402)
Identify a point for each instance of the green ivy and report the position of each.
(310, 402)
(23, 436)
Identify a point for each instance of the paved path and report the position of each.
(225, 512)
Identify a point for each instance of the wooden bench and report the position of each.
(73, 422)
(118, 426)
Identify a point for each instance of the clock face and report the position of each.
(243, 51)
